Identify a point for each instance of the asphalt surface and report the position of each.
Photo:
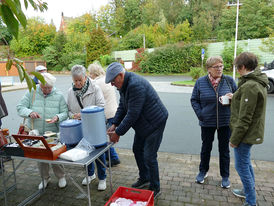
(182, 133)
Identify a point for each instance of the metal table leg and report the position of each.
(89, 199)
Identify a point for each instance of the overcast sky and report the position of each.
(71, 8)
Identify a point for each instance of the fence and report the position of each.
(29, 65)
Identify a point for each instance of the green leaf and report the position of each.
(26, 4)
(20, 72)
(15, 7)
(39, 77)
(10, 20)
(33, 84)
(8, 64)
(18, 61)
(28, 80)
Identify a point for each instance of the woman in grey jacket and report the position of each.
(83, 93)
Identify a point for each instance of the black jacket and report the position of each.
(140, 107)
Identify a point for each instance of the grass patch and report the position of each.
(184, 83)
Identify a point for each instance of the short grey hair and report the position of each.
(213, 60)
(96, 70)
(78, 70)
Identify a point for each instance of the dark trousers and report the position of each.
(223, 145)
(145, 150)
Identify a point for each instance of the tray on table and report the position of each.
(36, 152)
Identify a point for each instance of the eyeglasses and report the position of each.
(218, 67)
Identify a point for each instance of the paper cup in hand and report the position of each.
(224, 100)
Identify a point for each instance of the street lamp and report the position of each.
(236, 33)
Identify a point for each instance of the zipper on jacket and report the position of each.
(217, 100)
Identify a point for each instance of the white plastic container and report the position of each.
(94, 125)
(71, 131)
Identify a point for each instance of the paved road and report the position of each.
(182, 133)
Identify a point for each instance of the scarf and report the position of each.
(214, 82)
(83, 90)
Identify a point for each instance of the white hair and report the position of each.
(96, 70)
(49, 78)
(78, 70)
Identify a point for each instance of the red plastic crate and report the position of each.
(133, 194)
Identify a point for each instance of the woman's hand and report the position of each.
(232, 145)
(34, 115)
(54, 120)
(77, 116)
(229, 95)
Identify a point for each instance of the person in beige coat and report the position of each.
(97, 73)
(83, 93)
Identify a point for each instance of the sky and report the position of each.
(70, 8)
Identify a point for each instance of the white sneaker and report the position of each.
(62, 182)
(90, 178)
(102, 185)
(46, 181)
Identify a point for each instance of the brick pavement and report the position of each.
(177, 173)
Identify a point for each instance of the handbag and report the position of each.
(23, 128)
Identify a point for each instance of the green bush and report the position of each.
(172, 59)
(228, 55)
(197, 72)
(76, 61)
(106, 60)
(58, 68)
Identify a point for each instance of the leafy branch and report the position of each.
(13, 16)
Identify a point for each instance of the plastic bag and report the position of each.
(74, 154)
(85, 145)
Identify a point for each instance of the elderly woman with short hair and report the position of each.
(83, 93)
(46, 102)
(97, 73)
(213, 116)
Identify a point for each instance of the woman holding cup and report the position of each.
(210, 101)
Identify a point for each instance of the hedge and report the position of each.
(172, 59)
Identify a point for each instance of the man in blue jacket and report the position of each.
(140, 108)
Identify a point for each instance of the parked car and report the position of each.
(268, 69)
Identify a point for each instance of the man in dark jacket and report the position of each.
(140, 108)
(247, 121)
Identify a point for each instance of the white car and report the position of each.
(270, 74)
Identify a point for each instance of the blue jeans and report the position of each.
(113, 153)
(223, 146)
(145, 150)
(101, 170)
(245, 171)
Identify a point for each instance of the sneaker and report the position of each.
(238, 193)
(102, 185)
(114, 163)
(156, 192)
(90, 178)
(62, 182)
(201, 177)
(46, 181)
(140, 183)
(225, 183)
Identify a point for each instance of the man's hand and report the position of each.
(232, 145)
(111, 129)
(54, 119)
(114, 137)
(34, 115)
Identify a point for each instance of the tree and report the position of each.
(34, 38)
(98, 45)
(255, 17)
(268, 44)
(12, 15)
(5, 35)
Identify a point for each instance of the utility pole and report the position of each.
(144, 41)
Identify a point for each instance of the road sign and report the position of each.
(203, 51)
(203, 56)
